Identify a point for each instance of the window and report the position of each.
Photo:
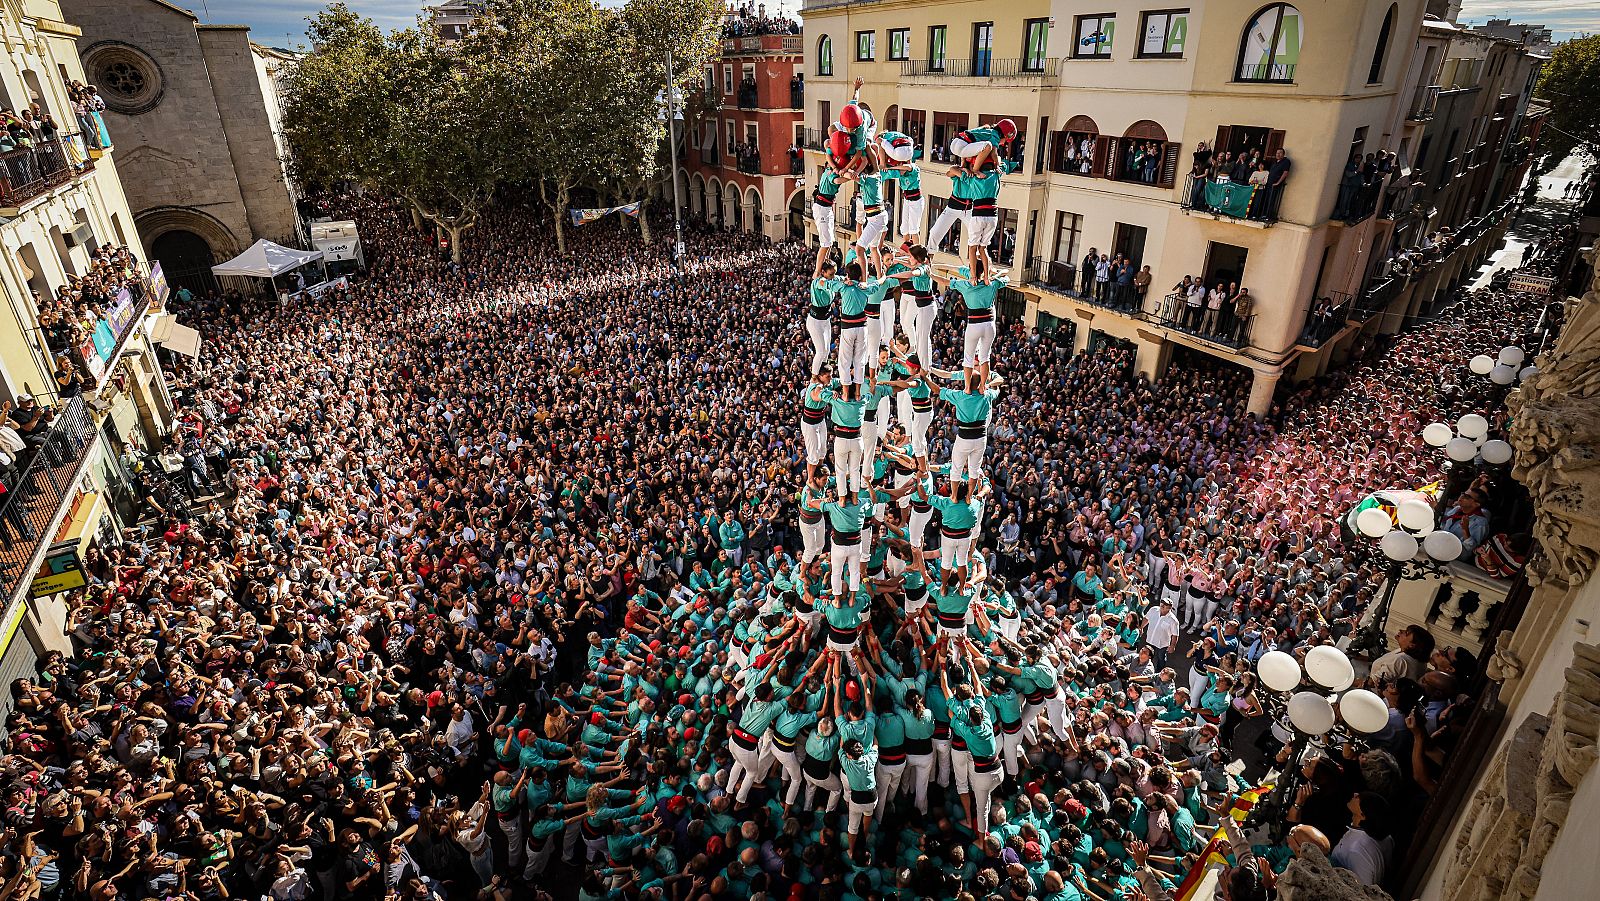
(1093, 36)
(1076, 148)
(732, 131)
(866, 46)
(899, 44)
(1069, 231)
(982, 48)
(824, 117)
(936, 36)
(727, 79)
(824, 55)
(711, 80)
(915, 124)
(945, 126)
(1163, 34)
(1270, 46)
(1035, 44)
(1375, 74)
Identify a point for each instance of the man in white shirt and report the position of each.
(1161, 633)
(1365, 847)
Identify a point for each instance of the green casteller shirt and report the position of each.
(979, 735)
(957, 514)
(954, 603)
(976, 296)
(910, 179)
(827, 188)
(870, 189)
(849, 517)
(845, 413)
(855, 296)
(848, 616)
(823, 290)
(861, 774)
(971, 409)
(822, 747)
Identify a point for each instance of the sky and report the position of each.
(1567, 18)
(283, 22)
(278, 22)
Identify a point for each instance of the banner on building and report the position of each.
(1530, 283)
(1228, 198)
(158, 284)
(91, 359)
(61, 571)
(122, 312)
(584, 216)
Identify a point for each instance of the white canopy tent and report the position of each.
(265, 259)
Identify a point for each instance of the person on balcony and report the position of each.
(1091, 261)
(1141, 287)
(1102, 279)
(1344, 206)
(1468, 521)
(1243, 307)
(1214, 301)
(1277, 179)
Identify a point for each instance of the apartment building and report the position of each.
(61, 201)
(740, 128)
(1113, 106)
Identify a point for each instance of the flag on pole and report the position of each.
(1211, 856)
(584, 216)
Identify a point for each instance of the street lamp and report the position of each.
(1408, 539)
(670, 101)
(1318, 708)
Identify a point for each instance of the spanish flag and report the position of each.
(1211, 856)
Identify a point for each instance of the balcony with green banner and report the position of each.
(1254, 204)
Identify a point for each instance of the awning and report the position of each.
(167, 331)
(264, 259)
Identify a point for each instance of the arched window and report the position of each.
(1075, 148)
(825, 55)
(1375, 74)
(1144, 155)
(1269, 49)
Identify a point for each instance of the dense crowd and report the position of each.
(512, 564)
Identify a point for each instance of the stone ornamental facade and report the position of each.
(195, 111)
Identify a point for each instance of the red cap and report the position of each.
(523, 735)
(677, 804)
(685, 699)
(1075, 809)
(852, 690)
(1032, 853)
(850, 116)
(691, 733)
(435, 698)
(1007, 129)
(839, 146)
(596, 718)
(762, 660)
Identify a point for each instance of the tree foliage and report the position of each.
(1569, 83)
(558, 94)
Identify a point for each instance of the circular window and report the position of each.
(129, 80)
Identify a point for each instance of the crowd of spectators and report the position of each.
(752, 19)
(471, 602)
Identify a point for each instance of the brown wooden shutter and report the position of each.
(1105, 156)
(1169, 165)
(1058, 151)
(1224, 138)
(1274, 142)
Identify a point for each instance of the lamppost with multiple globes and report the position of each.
(1315, 707)
(1413, 546)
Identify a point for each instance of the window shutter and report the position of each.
(1169, 165)
(1105, 156)
(1224, 138)
(1274, 142)
(1058, 151)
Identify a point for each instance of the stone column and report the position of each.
(1080, 331)
(1153, 354)
(1262, 383)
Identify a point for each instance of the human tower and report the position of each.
(901, 666)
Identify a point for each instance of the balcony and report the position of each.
(1423, 105)
(816, 139)
(1266, 73)
(797, 97)
(747, 95)
(1248, 204)
(982, 67)
(749, 163)
(1377, 297)
(45, 483)
(1216, 326)
(28, 172)
(1172, 312)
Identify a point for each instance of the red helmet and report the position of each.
(839, 146)
(850, 116)
(1007, 129)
